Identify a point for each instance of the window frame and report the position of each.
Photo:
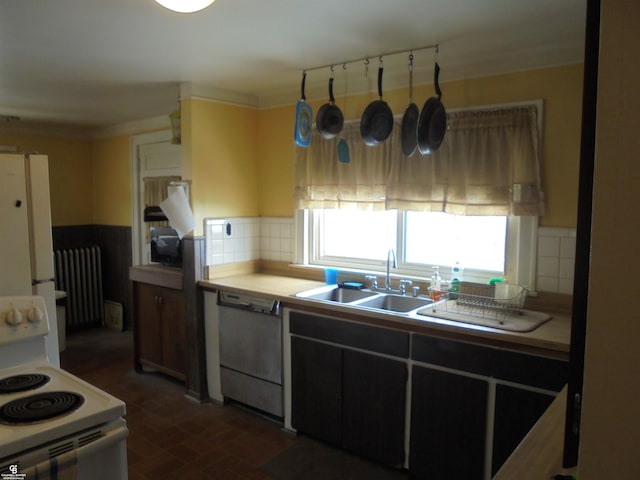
(520, 258)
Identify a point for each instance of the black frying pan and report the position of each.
(410, 119)
(329, 119)
(432, 123)
(377, 119)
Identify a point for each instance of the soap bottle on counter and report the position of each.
(435, 289)
(456, 280)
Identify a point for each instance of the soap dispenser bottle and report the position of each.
(456, 280)
(435, 290)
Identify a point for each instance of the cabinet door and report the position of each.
(147, 323)
(374, 402)
(516, 412)
(173, 336)
(316, 390)
(448, 425)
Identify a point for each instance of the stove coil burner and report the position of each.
(39, 407)
(22, 383)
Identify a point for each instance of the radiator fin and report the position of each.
(78, 272)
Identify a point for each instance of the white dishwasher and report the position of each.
(251, 351)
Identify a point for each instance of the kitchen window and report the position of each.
(486, 246)
(476, 199)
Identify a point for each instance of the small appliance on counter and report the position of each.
(166, 246)
(51, 422)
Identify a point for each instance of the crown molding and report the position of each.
(205, 92)
(160, 122)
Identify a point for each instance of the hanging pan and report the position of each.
(329, 119)
(304, 119)
(410, 119)
(432, 123)
(377, 120)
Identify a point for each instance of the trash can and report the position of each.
(61, 313)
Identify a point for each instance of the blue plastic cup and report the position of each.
(331, 276)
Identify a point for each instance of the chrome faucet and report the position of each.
(403, 286)
(374, 281)
(391, 254)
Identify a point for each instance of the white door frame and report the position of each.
(136, 201)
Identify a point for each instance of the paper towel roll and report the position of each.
(176, 208)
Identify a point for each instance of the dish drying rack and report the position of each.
(497, 302)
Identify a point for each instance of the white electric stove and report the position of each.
(50, 420)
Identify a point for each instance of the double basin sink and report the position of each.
(422, 307)
(389, 302)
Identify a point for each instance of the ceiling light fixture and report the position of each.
(185, 6)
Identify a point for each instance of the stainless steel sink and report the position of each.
(332, 293)
(396, 303)
(422, 308)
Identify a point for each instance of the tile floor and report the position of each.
(170, 435)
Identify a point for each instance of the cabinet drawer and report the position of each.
(366, 337)
(506, 365)
(531, 370)
(451, 354)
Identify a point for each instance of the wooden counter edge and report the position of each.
(168, 277)
(539, 455)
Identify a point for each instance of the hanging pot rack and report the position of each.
(367, 58)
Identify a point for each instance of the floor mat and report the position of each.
(311, 460)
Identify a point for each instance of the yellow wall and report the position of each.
(111, 181)
(560, 88)
(275, 163)
(240, 159)
(90, 179)
(69, 174)
(221, 149)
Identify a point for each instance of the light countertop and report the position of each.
(551, 338)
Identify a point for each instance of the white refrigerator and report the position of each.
(26, 246)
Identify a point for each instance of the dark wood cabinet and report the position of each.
(374, 404)
(470, 404)
(467, 385)
(316, 395)
(349, 398)
(448, 425)
(516, 411)
(160, 329)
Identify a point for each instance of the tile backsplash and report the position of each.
(556, 259)
(244, 239)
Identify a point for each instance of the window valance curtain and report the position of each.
(322, 181)
(488, 164)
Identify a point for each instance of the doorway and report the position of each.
(152, 155)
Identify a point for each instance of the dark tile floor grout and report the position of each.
(170, 435)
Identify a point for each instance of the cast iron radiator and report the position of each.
(78, 272)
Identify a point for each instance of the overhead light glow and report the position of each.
(185, 6)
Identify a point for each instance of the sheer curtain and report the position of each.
(488, 164)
